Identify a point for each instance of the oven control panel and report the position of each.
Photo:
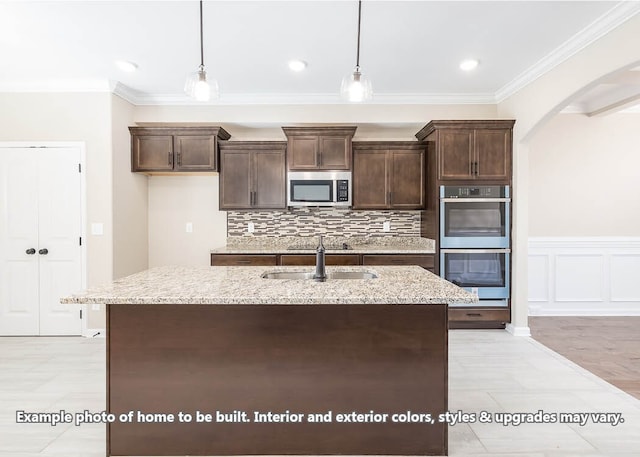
(474, 192)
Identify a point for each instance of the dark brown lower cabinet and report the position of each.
(463, 317)
(426, 261)
(310, 259)
(243, 260)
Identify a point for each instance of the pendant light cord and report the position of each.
(358, 48)
(202, 40)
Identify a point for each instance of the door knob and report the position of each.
(44, 251)
(30, 251)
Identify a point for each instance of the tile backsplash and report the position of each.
(323, 221)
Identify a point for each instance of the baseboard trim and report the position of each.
(94, 333)
(518, 331)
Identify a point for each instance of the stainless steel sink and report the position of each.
(309, 275)
(352, 275)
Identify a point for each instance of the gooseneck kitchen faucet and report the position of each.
(321, 274)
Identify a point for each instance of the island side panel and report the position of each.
(277, 358)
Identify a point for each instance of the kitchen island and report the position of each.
(230, 363)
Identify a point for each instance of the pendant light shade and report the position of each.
(197, 85)
(356, 87)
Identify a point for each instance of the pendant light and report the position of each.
(356, 87)
(197, 85)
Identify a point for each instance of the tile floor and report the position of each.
(489, 371)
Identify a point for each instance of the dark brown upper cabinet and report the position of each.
(252, 175)
(319, 148)
(170, 149)
(388, 175)
(471, 150)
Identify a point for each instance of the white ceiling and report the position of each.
(410, 49)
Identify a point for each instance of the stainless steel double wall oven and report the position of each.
(475, 240)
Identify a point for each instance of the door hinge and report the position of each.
(79, 168)
(80, 239)
(80, 314)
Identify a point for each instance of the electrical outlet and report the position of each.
(386, 226)
(189, 227)
(95, 307)
(250, 227)
(474, 291)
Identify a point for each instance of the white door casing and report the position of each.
(41, 209)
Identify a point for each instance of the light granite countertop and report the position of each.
(244, 285)
(307, 245)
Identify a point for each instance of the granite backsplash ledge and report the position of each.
(306, 222)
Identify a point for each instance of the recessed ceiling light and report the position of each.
(469, 64)
(297, 65)
(127, 66)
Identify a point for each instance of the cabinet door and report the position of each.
(456, 154)
(370, 187)
(335, 153)
(310, 259)
(152, 153)
(407, 179)
(303, 152)
(493, 154)
(195, 153)
(269, 180)
(426, 261)
(240, 260)
(235, 182)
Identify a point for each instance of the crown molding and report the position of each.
(125, 92)
(613, 18)
(58, 85)
(138, 98)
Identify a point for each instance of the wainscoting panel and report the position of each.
(538, 278)
(625, 277)
(578, 277)
(597, 276)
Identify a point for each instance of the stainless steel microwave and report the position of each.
(319, 188)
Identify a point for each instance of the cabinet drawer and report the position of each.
(227, 260)
(479, 315)
(426, 261)
(310, 259)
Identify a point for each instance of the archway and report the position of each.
(532, 107)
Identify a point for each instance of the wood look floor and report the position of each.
(609, 347)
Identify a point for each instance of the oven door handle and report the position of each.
(475, 200)
(475, 251)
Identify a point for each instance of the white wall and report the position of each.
(73, 117)
(175, 201)
(584, 177)
(130, 197)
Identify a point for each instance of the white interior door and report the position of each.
(42, 191)
(19, 276)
